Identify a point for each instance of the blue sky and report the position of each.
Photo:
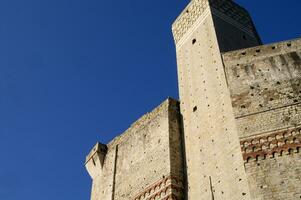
(76, 72)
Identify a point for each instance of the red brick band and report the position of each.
(166, 188)
(279, 143)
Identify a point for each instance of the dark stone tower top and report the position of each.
(233, 24)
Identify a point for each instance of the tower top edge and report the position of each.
(198, 8)
(213, 3)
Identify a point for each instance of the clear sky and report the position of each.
(73, 72)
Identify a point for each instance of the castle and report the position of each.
(235, 134)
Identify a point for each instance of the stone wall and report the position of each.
(265, 87)
(264, 82)
(241, 115)
(276, 178)
(145, 161)
(273, 165)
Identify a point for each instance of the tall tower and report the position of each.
(213, 157)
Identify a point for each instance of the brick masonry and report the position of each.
(234, 135)
(265, 146)
(170, 187)
(264, 83)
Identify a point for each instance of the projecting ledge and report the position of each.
(95, 159)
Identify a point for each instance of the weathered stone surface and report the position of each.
(145, 161)
(264, 82)
(265, 86)
(236, 133)
(213, 156)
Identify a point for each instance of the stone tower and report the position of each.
(235, 134)
(214, 162)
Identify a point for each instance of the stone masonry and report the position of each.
(235, 134)
(143, 163)
(264, 82)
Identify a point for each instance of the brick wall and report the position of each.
(265, 90)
